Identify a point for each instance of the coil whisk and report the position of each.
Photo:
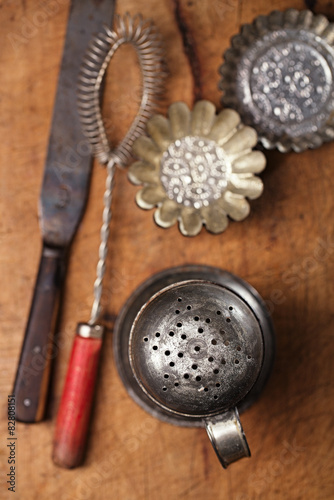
(146, 41)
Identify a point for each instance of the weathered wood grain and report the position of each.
(285, 249)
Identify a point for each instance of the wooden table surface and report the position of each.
(285, 249)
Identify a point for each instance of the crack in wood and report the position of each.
(190, 49)
(310, 4)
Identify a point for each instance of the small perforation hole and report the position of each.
(215, 371)
(198, 378)
(196, 318)
(226, 342)
(200, 330)
(238, 348)
(180, 355)
(166, 376)
(183, 336)
(194, 367)
(164, 388)
(215, 397)
(217, 385)
(172, 363)
(228, 320)
(188, 307)
(236, 361)
(214, 342)
(249, 357)
(206, 389)
(207, 320)
(210, 359)
(179, 325)
(231, 308)
(157, 334)
(171, 334)
(167, 353)
(177, 311)
(155, 347)
(222, 332)
(179, 299)
(219, 313)
(197, 348)
(145, 339)
(176, 384)
(223, 362)
(186, 375)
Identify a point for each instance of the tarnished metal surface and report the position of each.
(69, 160)
(196, 348)
(232, 288)
(279, 75)
(227, 437)
(90, 331)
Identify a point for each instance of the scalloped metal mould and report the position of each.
(279, 75)
(194, 345)
(197, 167)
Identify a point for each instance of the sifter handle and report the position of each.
(227, 437)
(76, 402)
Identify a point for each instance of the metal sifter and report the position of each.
(194, 345)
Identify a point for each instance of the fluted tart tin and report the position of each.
(197, 168)
(278, 75)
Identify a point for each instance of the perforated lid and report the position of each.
(196, 348)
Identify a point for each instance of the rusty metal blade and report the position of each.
(68, 162)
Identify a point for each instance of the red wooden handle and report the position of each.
(75, 406)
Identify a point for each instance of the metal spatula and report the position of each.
(62, 202)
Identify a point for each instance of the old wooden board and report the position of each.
(285, 249)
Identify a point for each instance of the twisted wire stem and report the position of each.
(103, 249)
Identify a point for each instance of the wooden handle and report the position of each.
(75, 406)
(33, 372)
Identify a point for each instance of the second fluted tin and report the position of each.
(278, 74)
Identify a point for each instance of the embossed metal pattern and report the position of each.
(282, 82)
(194, 171)
(197, 167)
